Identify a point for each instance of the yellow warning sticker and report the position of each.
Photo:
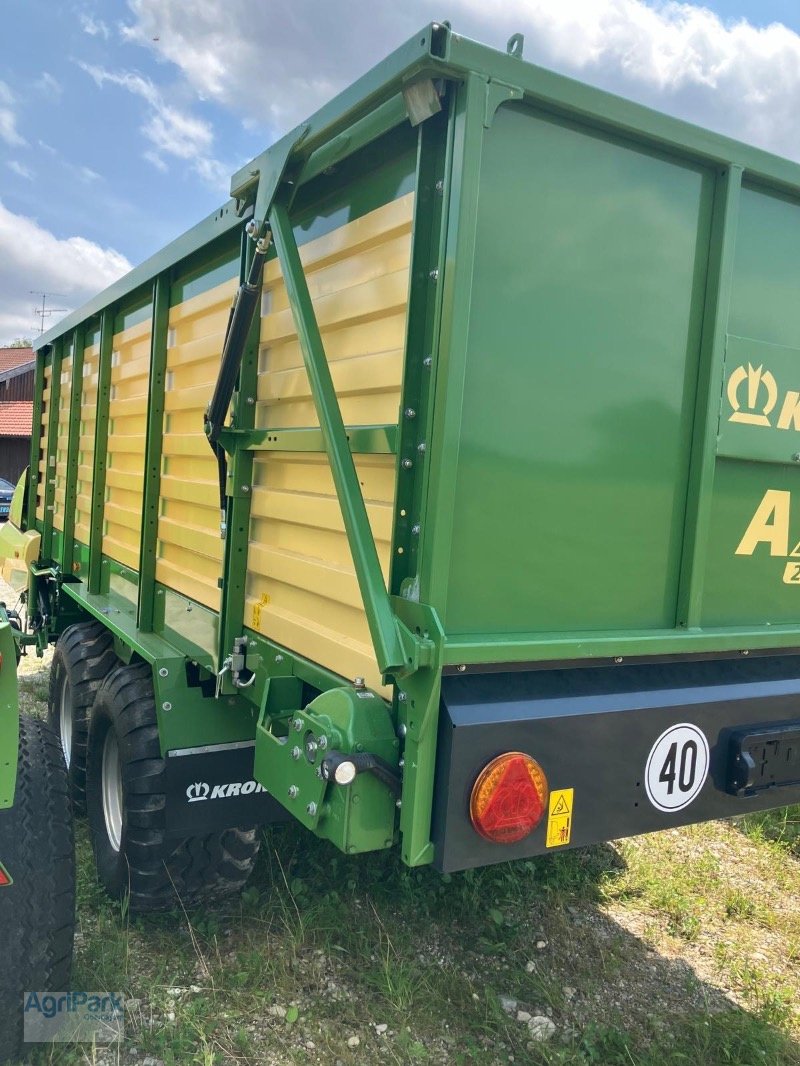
(559, 820)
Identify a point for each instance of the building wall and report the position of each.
(18, 387)
(14, 457)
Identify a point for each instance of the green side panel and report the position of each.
(766, 282)
(581, 364)
(9, 715)
(757, 578)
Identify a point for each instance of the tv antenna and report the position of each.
(44, 311)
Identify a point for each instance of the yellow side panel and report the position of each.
(62, 442)
(83, 489)
(301, 585)
(127, 433)
(41, 469)
(189, 552)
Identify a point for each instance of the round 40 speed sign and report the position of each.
(677, 767)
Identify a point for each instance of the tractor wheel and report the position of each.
(126, 804)
(83, 657)
(37, 887)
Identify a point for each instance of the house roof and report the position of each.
(16, 418)
(11, 358)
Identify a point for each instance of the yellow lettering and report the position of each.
(769, 525)
(789, 418)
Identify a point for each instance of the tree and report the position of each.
(21, 342)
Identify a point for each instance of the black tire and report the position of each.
(37, 910)
(154, 871)
(84, 655)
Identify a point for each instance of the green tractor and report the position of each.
(37, 867)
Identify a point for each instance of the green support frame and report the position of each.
(152, 462)
(100, 449)
(68, 550)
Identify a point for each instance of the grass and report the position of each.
(676, 948)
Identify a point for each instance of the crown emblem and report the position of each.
(757, 414)
(198, 791)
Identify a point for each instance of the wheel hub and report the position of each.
(65, 720)
(112, 790)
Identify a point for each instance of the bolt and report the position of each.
(421, 446)
(311, 750)
(462, 669)
(402, 697)
(251, 400)
(296, 753)
(744, 651)
(617, 658)
(293, 792)
(399, 804)
(796, 457)
(359, 682)
(297, 723)
(251, 228)
(163, 672)
(402, 763)
(311, 809)
(403, 729)
(434, 274)
(410, 412)
(322, 743)
(166, 706)
(278, 658)
(407, 464)
(245, 488)
(416, 530)
(439, 186)
(427, 362)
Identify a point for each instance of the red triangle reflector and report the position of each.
(4, 878)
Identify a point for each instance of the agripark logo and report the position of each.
(201, 790)
(97, 1018)
(753, 394)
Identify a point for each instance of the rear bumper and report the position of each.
(642, 747)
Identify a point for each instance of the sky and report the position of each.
(121, 121)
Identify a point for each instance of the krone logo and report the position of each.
(757, 413)
(198, 791)
(201, 790)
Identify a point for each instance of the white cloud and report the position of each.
(33, 258)
(170, 131)
(8, 119)
(20, 169)
(277, 62)
(49, 86)
(94, 27)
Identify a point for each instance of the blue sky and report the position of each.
(121, 120)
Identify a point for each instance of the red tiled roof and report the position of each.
(11, 358)
(16, 418)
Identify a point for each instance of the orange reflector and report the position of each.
(509, 798)
(4, 878)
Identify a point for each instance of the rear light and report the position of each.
(509, 798)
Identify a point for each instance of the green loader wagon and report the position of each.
(441, 490)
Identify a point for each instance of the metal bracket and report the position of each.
(269, 170)
(497, 93)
